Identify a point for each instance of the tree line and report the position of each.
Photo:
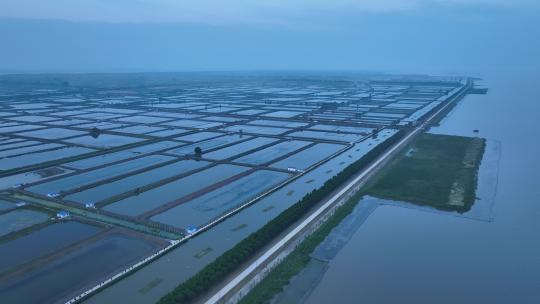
(230, 260)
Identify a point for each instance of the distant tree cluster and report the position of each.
(198, 151)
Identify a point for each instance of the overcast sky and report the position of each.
(225, 11)
(175, 35)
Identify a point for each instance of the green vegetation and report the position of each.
(239, 227)
(460, 158)
(247, 248)
(279, 277)
(93, 215)
(155, 282)
(95, 132)
(198, 151)
(203, 252)
(435, 170)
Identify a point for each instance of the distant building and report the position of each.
(90, 205)
(20, 204)
(293, 169)
(62, 214)
(191, 229)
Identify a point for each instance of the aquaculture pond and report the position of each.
(7, 145)
(272, 152)
(42, 242)
(143, 119)
(346, 137)
(243, 147)
(61, 278)
(203, 209)
(20, 219)
(103, 140)
(277, 123)
(283, 114)
(52, 133)
(151, 199)
(100, 160)
(17, 127)
(141, 129)
(160, 277)
(4, 205)
(169, 132)
(250, 112)
(28, 149)
(359, 130)
(132, 182)
(256, 129)
(90, 177)
(207, 144)
(188, 123)
(308, 157)
(199, 136)
(159, 146)
(32, 176)
(41, 157)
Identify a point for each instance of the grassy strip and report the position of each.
(430, 169)
(474, 160)
(279, 277)
(229, 261)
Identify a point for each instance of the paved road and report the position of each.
(263, 259)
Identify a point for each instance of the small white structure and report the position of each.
(62, 214)
(53, 194)
(294, 170)
(90, 205)
(20, 204)
(191, 229)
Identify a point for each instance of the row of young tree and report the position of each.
(229, 261)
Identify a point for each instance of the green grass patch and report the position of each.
(268, 208)
(239, 227)
(203, 252)
(435, 170)
(155, 282)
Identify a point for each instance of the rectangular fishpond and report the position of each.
(132, 182)
(209, 206)
(90, 177)
(268, 154)
(154, 198)
(61, 278)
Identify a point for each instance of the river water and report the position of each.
(408, 255)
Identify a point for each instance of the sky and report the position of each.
(416, 36)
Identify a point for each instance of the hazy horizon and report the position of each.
(430, 36)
